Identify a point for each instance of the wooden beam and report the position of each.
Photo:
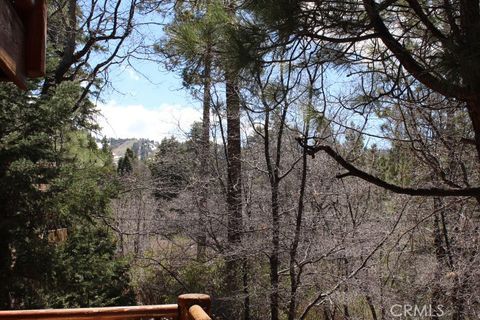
(35, 42)
(24, 5)
(12, 38)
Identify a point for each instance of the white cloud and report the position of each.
(132, 73)
(137, 121)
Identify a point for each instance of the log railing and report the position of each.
(194, 307)
(189, 307)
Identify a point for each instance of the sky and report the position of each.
(149, 102)
(137, 107)
(146, 101)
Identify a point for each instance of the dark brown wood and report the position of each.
(234, 191)
(185, 301)
(35, 42)
(154, 311)
(12, 40)
(24, 5)
(23, 33)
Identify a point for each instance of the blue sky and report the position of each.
(146, 102)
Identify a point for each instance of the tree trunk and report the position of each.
(274, 179)
(234, 164)
(473, 107)
(204, 155)
(294, 283)
(234, 185)
(274, 256)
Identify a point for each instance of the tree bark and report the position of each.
(234, 164)
(204, 154)
(274, 255)
(473, 107)
(294, 279)
(274, 179)
(234, 185)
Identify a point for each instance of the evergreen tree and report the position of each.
(125, 163)
(55, 181)
(172, 168)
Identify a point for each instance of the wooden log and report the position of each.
(197, 313)
(12, 38)
(108, 313)
(185, 301)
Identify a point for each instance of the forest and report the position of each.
(335, 173)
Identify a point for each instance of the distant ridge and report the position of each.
(143, 148)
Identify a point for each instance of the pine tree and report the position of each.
(125, 163)
(56, 186)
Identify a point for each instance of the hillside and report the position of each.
(143, 148)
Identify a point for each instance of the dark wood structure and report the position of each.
(23, 31)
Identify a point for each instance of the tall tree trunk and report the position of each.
(234, 164)
(234, 184)
(294, 279)
(274, 255)
(274, 178)
(204, 154)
